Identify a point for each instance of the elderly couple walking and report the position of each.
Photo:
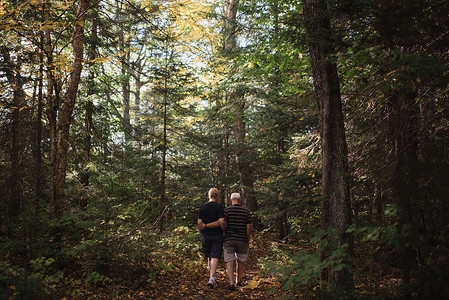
(229, 227)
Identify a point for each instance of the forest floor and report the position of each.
(258, 285)
(172, 285)
(191, 283)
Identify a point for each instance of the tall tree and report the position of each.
(38, 129)
(124, 35)
(237, 102)
(60, 121)
(88, 105)
(13, 72)
(336, 207)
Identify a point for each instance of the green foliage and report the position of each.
(98, 246)
(180, 252)
(300, 269)
(289, 199)
(17, 282)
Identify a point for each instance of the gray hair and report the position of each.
(235, 196)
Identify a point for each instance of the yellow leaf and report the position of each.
(253, 284)
(12, 287)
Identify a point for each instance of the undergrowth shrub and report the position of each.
(299, 269)
(181, 251)
(43, 258)
(291, 212)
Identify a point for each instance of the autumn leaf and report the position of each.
(253, 284)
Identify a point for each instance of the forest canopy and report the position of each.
(330, 118)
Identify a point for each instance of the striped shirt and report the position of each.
(236, 217)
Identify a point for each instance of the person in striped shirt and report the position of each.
(236, 241)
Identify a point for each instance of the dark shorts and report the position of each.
(212, 245)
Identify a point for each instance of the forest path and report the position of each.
(258, 285)
(192, 283)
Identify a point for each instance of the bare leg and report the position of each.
(213, 264)
(240, 267)
(230, 272)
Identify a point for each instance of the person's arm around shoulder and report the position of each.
(214, 224)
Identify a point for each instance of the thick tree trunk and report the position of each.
(15, 178)
(230, 15)
(243, 163)
(59, 165)
(238, 104)
(336, 208)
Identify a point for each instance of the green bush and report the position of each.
(300, 269)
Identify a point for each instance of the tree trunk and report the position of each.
(139, 85)
(88, 124)
(61, 134)
(336, 208)
(403, 119)
(377, 203)
(164, 154)
(238, 107)
(37, 143)
(15, 178)
(126, 91)
(52, 97)
(124, 41)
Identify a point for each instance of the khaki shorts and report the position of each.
(236, 250)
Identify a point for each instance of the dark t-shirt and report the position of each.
(211, 212)
(236, 217)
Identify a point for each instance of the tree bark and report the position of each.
(88, 123)
(64, 121)
(139, 85)
(37, 143)
(336, 208)
(124, 44)
(52, 99)
(238, 107)
(16, 151)
(164, 152)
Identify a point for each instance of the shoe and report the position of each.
(232, 287)
(212, 283)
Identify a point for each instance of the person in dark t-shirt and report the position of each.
(211, 226)
(236, 241)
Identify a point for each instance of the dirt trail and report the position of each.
(171, 285)
(257, 284)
